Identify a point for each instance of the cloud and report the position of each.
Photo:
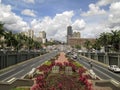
(94, 10)
(111, 22)
(28, 12)
(11, 20)
(29, 1)
(114, 15)
(56, 27)
(105, 2)
(79, 24)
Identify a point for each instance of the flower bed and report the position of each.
(61, 76)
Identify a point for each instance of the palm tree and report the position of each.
(105, 40)
(2, 34)
(1, 30)
(116, 40)
(87, 45)
(96, 45)
(10, 39)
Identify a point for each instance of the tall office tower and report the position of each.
(69, 31)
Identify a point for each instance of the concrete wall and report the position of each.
(11, 57)
(106, 58)
(16, 83)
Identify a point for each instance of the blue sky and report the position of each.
(50, 8)
(90, 17)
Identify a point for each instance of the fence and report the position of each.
(13, 57)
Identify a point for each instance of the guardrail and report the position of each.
(106, 58)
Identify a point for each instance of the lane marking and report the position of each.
(98, 70)
(11, 79)
(7, 72)
(107, 70)
(13, 75)
(112, 79)
(32, 65)
(41, 57)
(117, 82)
(24, 64)
(104, 68)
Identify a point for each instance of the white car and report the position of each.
(74, 56)
(114, 68)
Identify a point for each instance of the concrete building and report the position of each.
(79, 41)
(42, 34)
(44, 40)
(74, 38)
(76, 35)
(31, 33)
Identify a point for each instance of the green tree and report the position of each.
(77, 46)
(105, 40)
(96, 45)
(87, 45)
(2, 33)
(116, 40)
(111, 41)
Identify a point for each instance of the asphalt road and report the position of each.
(21, 69)
(101, 71)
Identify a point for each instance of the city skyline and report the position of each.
(52, 16)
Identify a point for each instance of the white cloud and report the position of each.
(104, 23)
(28, 12)
(105, 2)
(11, 20)
(94, 10)
(79, 24)
(29, 1)
(56, 27)
(114, 15)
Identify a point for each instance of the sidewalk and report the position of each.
(61, 58)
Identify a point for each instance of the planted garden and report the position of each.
(59, 74)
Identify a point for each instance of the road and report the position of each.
(101, 70)
(22, 69)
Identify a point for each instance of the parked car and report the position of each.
(114, 68)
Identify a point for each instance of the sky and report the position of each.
(89, 17)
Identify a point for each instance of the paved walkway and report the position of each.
(61, 58)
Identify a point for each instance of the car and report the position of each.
(114, 68)
(74, 56)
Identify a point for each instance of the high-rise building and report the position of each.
(69, 31)
(30, 33)
(42, 34)
(74, 38)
